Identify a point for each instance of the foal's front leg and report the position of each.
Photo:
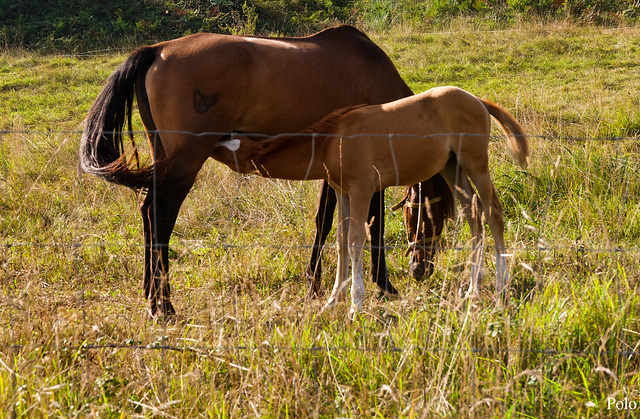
(342, 271)
(356, 239)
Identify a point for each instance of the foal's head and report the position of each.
(425, 210)
(237, 151)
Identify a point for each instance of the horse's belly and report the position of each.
(407, 165)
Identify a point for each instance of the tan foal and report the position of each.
(361, 150)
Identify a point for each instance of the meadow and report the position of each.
(77, 339)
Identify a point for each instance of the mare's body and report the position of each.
(362, 150)
(209, 83)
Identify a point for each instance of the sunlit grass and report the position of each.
(77, 339)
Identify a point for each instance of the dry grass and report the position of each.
(77, 340)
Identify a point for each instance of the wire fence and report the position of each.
(422, 350)
(576, 245)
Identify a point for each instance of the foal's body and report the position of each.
(398, 143)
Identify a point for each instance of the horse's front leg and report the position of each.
(356, 240)
(323, 221)
(342, 271)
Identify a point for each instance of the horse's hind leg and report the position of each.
(156, 257)
(493, 215)
(472, 211)
(323, 220)
(159, 212)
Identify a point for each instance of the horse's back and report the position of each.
(211, 82)
(442, 109)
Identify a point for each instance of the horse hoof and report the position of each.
(162, 311)
(417, 271)
(327, 307)
(313, 292)
(166, 309)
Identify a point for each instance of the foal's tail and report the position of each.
(102, 148)
(516, 138)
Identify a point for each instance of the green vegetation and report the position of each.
(80, 25)
(76, 339)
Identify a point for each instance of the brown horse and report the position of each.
(426, 206)
(190, 88)
(360, 150)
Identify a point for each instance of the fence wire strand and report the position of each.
(421, 350)
(614, 249)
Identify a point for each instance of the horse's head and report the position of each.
(424, 214)
(237, 151)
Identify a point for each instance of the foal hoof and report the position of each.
(328, 306)
(353, 314)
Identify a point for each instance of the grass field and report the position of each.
(77, 340)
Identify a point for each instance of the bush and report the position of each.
(81, 24)
(73, 25)
(593, 11)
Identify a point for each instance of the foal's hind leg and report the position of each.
(481, 178)
(472, 211)
(496, 225)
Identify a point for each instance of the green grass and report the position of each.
(76, 339)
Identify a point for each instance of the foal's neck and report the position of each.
(293, 157)
(302, 156)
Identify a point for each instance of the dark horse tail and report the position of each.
(102, 148)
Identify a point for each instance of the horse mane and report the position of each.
(325, 126)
